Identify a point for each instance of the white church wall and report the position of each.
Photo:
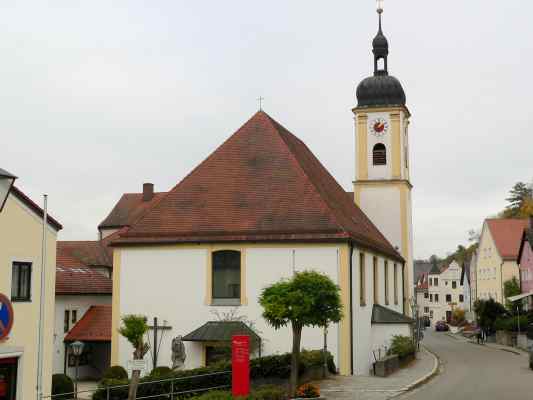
(364, 342)
(173, 281)
(374, 200)
(382, 335)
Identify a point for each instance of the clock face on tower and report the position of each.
(379, 127)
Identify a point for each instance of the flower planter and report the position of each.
(386, 366)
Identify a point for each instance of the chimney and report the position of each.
(148, 191)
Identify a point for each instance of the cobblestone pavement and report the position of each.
(375, 388)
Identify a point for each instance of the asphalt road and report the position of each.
(474, 372)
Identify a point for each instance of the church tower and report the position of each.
(381, 187)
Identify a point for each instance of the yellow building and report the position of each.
(496, 256)
(21, 229)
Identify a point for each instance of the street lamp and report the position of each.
(6, 183)
(77, 350)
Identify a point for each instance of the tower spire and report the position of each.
(380, 46)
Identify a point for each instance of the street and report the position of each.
(470, 371)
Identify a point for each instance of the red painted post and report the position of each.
(240, 365)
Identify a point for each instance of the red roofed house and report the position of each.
(82, 306)
(497, 255)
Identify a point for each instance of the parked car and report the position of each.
(441, 326)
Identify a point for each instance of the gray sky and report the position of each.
(97, 97)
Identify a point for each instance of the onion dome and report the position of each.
(381, 89)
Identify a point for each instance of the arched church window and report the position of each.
(381, 64)
(227, 276)
(379, 154)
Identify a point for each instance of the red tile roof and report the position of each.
(128, 209)
(84, 254)
(507, 234)
(34, 207)
(262, 184)
(94, 326)
(82, 280)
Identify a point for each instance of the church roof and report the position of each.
(261, 184)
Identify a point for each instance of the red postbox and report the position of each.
(240, 365)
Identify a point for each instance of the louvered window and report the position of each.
(379, 154)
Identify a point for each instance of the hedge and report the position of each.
(511, 324)
(61, 384)
(269, 367)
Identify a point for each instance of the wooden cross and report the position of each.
(156, 328)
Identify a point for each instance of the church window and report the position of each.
(395, 283)
(376, 281)
(362, 277)
(379, 154)
(386, 282)
(226, 277)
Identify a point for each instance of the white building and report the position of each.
(445, 292)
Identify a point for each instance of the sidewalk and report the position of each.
(495, 346)
(375, 388)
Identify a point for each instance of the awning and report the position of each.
(519, 297)
(384, 315)
(221, 331)
(94, 326)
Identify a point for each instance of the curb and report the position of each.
(425, 378)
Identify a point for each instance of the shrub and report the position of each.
(62, 384)
(401, 345)
(161, 372)
(268, 392)
(510, 324)
(215, 395)
(115, 372)
(270, 367)
(308, 391)
(458, 317)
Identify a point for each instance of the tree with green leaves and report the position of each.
(519, 196)
(511, 288)
(133, 328)
(309, 298)
(488, 311)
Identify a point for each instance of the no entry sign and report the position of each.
(6, 317)
(240, 365)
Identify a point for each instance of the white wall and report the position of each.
(171, 284)
(364, 341)
(453, 273)
(382, 336)
(80, 303)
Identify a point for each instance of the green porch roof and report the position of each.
(384, 315)
(221, 331)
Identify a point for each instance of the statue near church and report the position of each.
(178, 353)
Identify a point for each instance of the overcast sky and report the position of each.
(97, 97)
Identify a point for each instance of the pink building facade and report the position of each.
(525, 259)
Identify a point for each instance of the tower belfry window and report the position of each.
(379, 154)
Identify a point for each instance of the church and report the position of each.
(262, 207)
